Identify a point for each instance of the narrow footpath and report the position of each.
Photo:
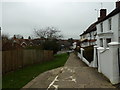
(74, 74)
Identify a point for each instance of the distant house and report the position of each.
(64, 44)
(28, 42)
(22, 42)
(38, 41)
(75, 44)
(88, 37)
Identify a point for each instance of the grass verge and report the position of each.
(21, 77)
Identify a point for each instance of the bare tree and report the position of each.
(41, 33)
(48, 32)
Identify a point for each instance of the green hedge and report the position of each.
(88, 53)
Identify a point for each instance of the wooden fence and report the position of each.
(14, 59)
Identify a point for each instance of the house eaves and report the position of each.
(91, 28)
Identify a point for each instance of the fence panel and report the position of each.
(27, 57)
(50, 55)
(12, 60)
(8, 62)
(20, 58)
(39, 56)
(3, 62)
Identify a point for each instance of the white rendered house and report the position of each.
(107, 50)
(88, 37)
(108, 29)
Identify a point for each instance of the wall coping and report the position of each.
(113, 43)
(95, 46)
(81, 48)
(100, 48)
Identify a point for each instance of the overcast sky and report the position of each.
(72, 18)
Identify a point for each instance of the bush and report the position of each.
(88, 53)
(51, 45)
(8, 45)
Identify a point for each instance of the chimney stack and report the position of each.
(103, 13)
(117, 4)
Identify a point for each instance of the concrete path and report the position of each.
(75, 74)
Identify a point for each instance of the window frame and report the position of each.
(101, 27)
(110, 23)
(107, 41)
(101, 42)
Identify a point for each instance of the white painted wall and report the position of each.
(115, 27)
(119, 27)
(106, 63)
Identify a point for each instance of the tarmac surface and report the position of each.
(74, 74)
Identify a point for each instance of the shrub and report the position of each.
(51, 45)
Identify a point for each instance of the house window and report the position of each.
(83, 36)
(101, 42)
(109, 23)
(108, 40)
(95, 33)
(101, 26)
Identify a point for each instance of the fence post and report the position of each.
(82, 53)
(99, 59)
(95, 57)
(114, 77)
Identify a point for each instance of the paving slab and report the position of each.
(74, 74)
